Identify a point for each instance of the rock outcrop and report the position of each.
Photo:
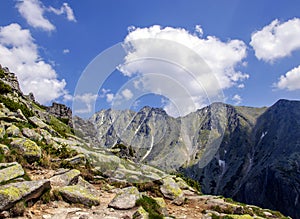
(62, 112)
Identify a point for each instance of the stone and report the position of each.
(2, 130)
(9, 171)
(13, 131)
(65, 179)
(162, 206)
(31, 151)
(27, 190)
(140, 214)
(4, 149)
(31, 134)
(61, 111)
(125, 199)
(79, 194)
(39, 123)
(78, 159)
(171, 190)
(20, 115)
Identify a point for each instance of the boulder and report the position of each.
(78, 159)
(13, 131)
(79, 194)
(20, 115)
(4, 149)
(14, 192)
(162, 206)
(171, 190)
(39, 123)
(31, 151)
(140, 214)
(65, 179)
(31, 134)
(126, 198)
(9, 171)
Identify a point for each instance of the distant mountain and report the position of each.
(250, 154)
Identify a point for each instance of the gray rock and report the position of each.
(13, 131)
(4, 148)
(78, 159)
(14, 192)
(31, 134)
(31, 151)
(61, 111)
(79, 194)
(126, 198)
(171, 190)
(2, 130)
(9, 171)
(65, 179)
(39, 123)
(20, 115)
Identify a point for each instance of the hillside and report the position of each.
(48, 172)
(246, 153)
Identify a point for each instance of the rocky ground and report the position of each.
(46, 171)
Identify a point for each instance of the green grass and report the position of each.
(60, 127)
(151, 206)
(14, 106)
(4, 88)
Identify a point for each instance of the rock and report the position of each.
(78, 159)
(14, 192)
(31, 134)
(9, 171)
(61, 111)
(140, 214)
(65, 179)
(13, 131)
(171, 190)
(85, 184)
(79, 194)
(162, 206)
(31, 151)
(126, 198)
(4, 149)
(39, 123)
(2, 130)
(20, 115)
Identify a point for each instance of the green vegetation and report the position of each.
(2, 74)
(151, 206)
(14, 106)
(60, 127)
(191, 182)
(4, 88)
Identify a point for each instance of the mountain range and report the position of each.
(249, 154)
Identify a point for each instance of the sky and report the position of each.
(177, 55)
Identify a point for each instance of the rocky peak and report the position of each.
(61, 111)
(10, 78)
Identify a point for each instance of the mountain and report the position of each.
(247, 153)
(48, 171)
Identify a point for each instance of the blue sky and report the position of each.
(252, 47)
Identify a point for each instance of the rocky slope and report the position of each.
(249, 154)
(46, 171)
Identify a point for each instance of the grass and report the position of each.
(60, 127)
(191, 182)
(151, 206)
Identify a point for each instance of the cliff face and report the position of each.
(61, 111)
(254, 159)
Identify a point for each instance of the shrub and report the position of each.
(4, 88)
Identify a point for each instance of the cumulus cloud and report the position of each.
(87, 100)
(127, 94)
(290, 81)
(183, 63)
(19, 52)
(276, 40)
(34, 13)
(237, 99)
(110, 97)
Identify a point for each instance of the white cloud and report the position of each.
(33, 12)
(19, 52)
(65, 9)
(276, 40)
(177, 55)
(241, 86)
(290, 81)
(66, 51)
(237, 98)
(127, 94)
(110, 97)
(87, 99)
